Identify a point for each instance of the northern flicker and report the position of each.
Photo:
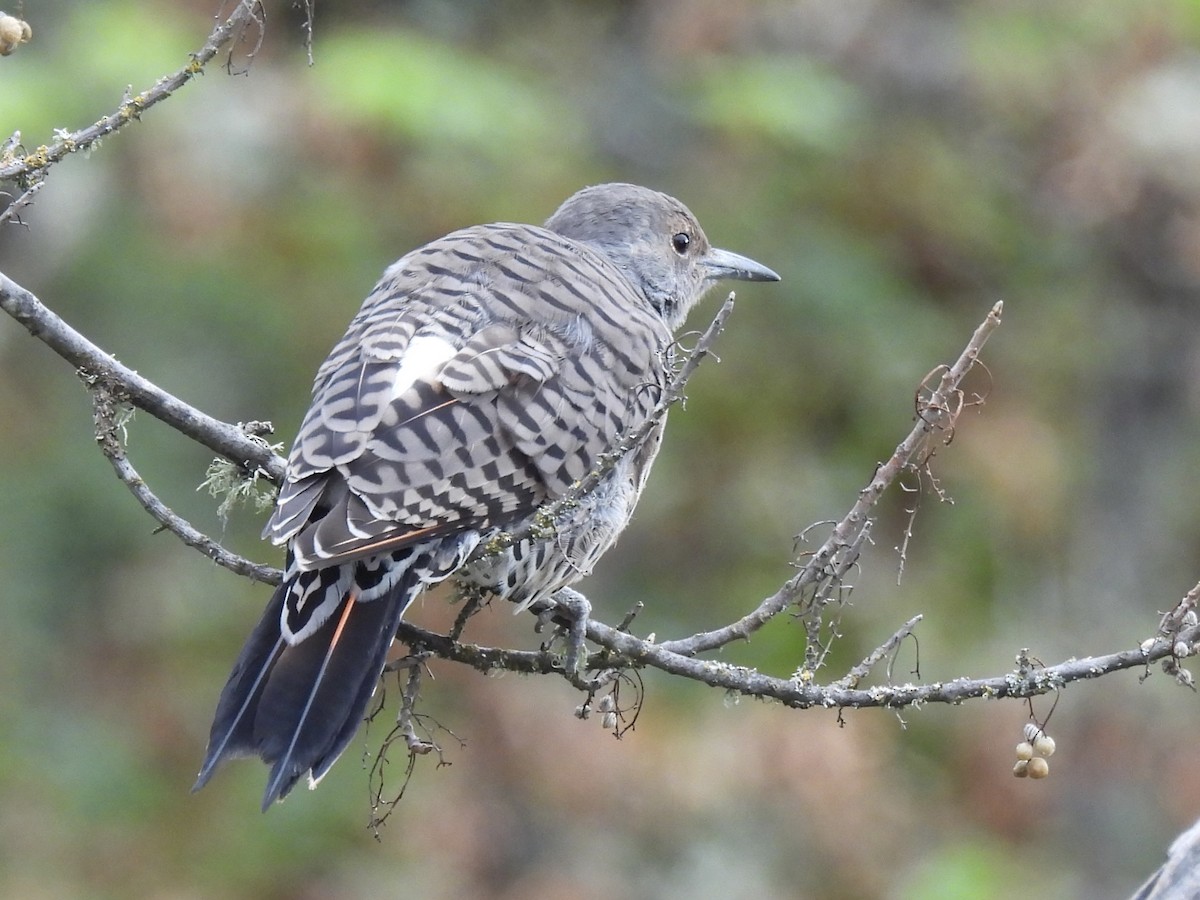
(484, 374)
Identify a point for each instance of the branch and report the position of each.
(31, 168)
(107, 378)
(1027, 680)
(935, 413)
(101, 371)
(487, 660)
(98, 367)
(107, 418)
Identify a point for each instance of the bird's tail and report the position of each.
(298, 703)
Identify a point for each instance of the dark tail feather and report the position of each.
(298, 707)
(232, 732)
(315, 699)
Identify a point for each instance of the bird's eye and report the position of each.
(681, 242)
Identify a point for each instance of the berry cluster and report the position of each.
(1033, 753)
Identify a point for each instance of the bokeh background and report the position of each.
(903, 165)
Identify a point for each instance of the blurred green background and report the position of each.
(902, 165)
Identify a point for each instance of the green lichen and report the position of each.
(233, 486)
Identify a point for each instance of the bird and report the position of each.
(485, 374)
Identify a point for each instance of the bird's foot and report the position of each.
(568, 610)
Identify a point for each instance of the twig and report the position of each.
(307, 25)
(105, 416)
(848, 530)
(859, 672)
(405, 729)
(32, 167)
(12, 211)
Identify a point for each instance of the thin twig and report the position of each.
(405, 729)
(12, 212)
(105, 415)
(32, 166)
(847, 531)
(852, 678)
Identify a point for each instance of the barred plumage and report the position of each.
(486, 373)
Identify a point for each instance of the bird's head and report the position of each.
(656, 241)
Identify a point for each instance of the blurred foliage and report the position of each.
(903, 165)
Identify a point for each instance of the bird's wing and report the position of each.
(485, 373)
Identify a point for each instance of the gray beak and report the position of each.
(722, 264)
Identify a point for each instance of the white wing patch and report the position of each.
(424, 355)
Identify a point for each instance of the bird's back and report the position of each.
(484, 374)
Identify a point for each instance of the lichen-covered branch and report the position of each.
(935, 414)
(626, 650)
(30, 167)
(97, 366)
(106, 405)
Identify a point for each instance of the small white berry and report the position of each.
(1038, 767)
(1021, 768)
(1044, 745)
(13, 31)
(1025, 750)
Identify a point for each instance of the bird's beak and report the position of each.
(722, 264)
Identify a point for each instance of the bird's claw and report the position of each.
(570, 610)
